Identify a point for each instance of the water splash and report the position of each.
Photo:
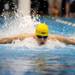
(17, 25)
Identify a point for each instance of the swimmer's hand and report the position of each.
(12, 38)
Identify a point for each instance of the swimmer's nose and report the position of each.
(42, 39)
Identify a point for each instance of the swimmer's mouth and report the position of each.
(42, 43)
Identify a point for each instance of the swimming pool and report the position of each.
(43, 60)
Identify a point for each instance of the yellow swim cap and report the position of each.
(41, 29)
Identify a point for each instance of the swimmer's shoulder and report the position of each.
(25, 35)
(52, 36)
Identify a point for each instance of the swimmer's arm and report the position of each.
(63, 39)
(15, 37)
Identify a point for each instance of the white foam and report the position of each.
(31, 43)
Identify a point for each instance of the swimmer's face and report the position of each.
(42, 39)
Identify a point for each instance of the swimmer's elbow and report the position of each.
(66, 40)
(5, 41)
(70, 41)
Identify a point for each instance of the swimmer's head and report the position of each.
(41, 32)
(41, 29)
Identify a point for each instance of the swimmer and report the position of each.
(41, 35)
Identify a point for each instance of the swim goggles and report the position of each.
(44, 37)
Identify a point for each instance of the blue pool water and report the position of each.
(40, 61)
